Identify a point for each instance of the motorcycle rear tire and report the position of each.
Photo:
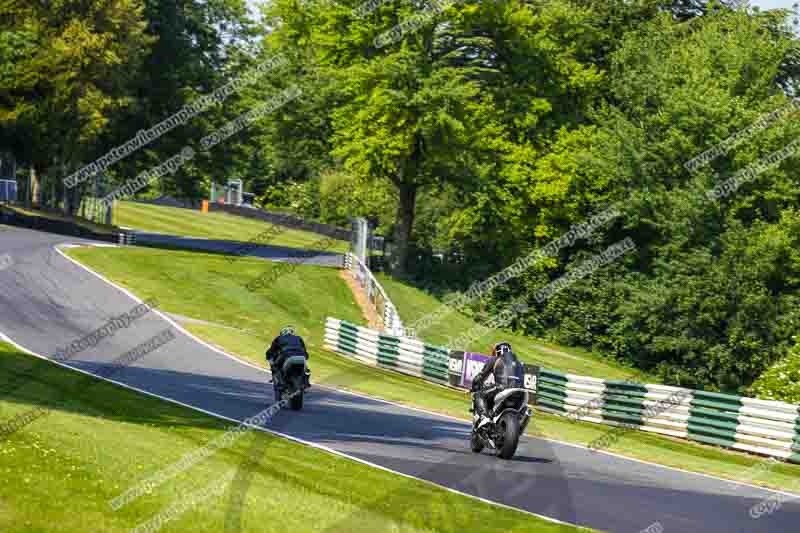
(276, 391)
(476, 443)
(509, 425)
(296, 401)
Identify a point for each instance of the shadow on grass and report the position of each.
(37, 384)
(239, 249)
(327, 413)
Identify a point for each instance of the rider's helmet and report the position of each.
(501, 348)
(288, 330)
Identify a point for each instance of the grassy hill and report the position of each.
(215, 225)
(413, 303)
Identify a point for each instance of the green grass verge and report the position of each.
(207, 288)
(413, 304)
(215, 225)
(97, 440)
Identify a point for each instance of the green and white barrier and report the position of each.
(758, 426)
(402, 354)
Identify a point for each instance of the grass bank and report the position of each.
(214, 225)
(413, 304)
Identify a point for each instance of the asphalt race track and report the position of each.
(47, 301)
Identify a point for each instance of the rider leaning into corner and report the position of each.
(508, 372)
(286, 344)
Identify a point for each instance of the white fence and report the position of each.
(377, 296)
(748, 424)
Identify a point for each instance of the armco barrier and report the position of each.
(410, 356)
(127, 238)
(758, 426)
(405, 355)
(376, 295)
(281, 219)
(54, 225)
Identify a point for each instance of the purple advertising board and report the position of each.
(464, 366)
(473, 363)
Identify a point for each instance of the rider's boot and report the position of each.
(480, 419)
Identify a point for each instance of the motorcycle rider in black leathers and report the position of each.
(508, 372)
(285, 345)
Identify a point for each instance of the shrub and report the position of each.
(781, 381)
(300, 198)
(343, 195)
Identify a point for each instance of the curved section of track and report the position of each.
(47, 301)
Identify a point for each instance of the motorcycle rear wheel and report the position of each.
(508, 427)
(276, 391)
(296, 401)
(475, 442)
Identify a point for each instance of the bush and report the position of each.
(342, 195)
(781, 381)
(300, 198)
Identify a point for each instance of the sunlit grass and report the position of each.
(97, 440)
(213, 225)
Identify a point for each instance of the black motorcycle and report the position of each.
(508, 418)
(292, 382)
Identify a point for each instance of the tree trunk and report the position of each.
(66, 193)
(72, 199)
(55, 176)
(402, 232)
(35, 188)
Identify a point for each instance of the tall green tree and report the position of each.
(198, 46)
(67, 69)
(709, 298)
(399, 112)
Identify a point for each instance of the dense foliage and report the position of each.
(781, 381)
(483, 130)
